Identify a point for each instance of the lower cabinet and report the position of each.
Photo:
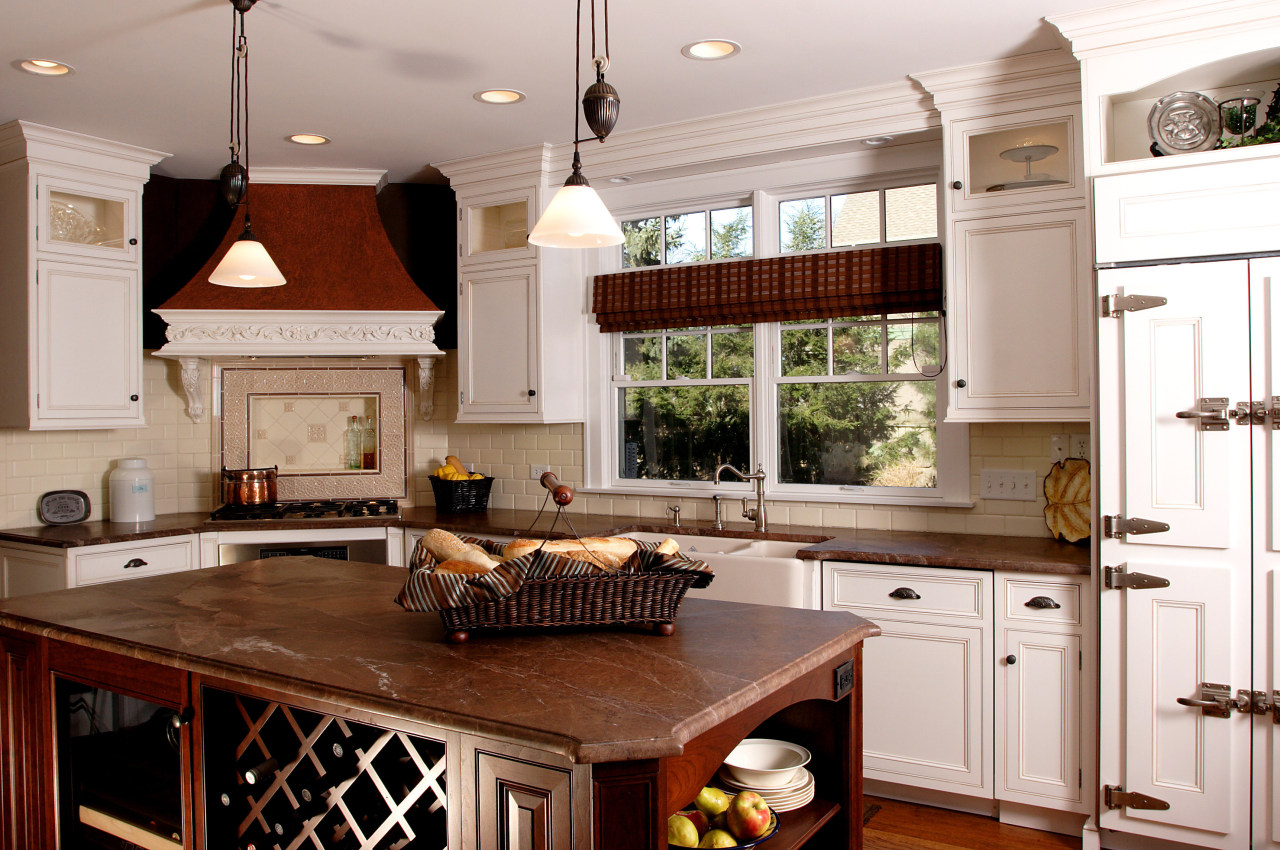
(974, 687)
(520, 804)
(34, 569)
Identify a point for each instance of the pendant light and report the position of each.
(576, 217)
(246, 263)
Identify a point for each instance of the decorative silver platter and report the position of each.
(1184, 122)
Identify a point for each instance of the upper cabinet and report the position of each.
(1019, 264)
(522, 310)
(1164, 83)
(71, 279)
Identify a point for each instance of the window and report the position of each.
(854, 401)
(685, 237)
(897, 214)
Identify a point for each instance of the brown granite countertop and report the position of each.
(961, 551)
(330, 631)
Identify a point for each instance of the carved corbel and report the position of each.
(193, 385)
(426, 387)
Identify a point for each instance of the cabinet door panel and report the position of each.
(925, 714)
(87, 342)
(498, 355)
(1038, 742)
(1021, 293)
(522, 806)
(1193, 347)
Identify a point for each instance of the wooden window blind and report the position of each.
(859, 282)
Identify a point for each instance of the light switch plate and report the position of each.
(1015, 485)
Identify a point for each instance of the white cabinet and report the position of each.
(522, 311)
(927, 719)
(1019, 250)
(1019, 294)
(70, 279)
(1040, 663)
(35, 569)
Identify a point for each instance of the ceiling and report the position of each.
(391, 81)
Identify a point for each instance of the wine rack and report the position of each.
(278, 777)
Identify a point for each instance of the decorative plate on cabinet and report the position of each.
(63, 507)
(1184, 122)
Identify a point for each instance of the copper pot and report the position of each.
(249, 486)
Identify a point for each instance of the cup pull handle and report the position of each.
(135, 562)
(1042, 602)
(904, 593)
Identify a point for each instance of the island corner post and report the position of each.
(593, 759)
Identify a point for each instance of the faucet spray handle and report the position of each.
(675, 512)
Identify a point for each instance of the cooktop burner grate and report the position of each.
(319, 509)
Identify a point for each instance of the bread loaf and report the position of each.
(668, 547)
(455, 566)
(607, 552)
(475, 555)
(442, 545)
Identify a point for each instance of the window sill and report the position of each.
(707, 491)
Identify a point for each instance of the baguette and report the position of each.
(608, 552)
(668, 547)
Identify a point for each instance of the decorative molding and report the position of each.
(299, 333)
(20, 139)
(425, 388)
(321, 176)
(1157, 23)
(252, 332)
(193, 385)
(1017, 78)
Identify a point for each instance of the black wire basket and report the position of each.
(460, 497)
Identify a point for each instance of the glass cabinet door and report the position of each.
(119, 770)
(496, 228)
(85, 220)
(999, 161)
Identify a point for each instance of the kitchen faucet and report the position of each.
(757, 513)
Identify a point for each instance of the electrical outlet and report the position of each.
(1058, 445)
(1080, 445)
(536, 470)
(1017, 485)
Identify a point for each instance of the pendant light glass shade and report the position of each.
(247, 265)
(576, 218)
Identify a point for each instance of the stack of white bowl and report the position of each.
(773, 769)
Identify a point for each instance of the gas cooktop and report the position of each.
(322, 509)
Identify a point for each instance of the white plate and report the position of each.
(803, 778)
(780, 799)
(793, 804)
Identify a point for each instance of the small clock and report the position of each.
(63, 507)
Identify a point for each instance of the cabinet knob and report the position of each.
(1042, 602)
(962, 383)
(532, 393)
(956, 184)
(904, 593)
(133, 398)
(1011, 660)
(181, 718)
(135, 562)
(133, 241)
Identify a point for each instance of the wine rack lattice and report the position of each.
(279, 777)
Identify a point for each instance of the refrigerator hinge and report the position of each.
(1116, 797)
(1116, 525)
(1118, 578)
(1114, 305)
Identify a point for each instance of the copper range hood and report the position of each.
(346, 295)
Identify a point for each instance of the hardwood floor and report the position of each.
(906, 826)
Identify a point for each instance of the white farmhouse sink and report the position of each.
(754, 571)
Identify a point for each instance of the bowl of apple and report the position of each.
(720, 819)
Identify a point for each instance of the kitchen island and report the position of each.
(560, 739)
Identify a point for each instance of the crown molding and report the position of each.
(321, 176)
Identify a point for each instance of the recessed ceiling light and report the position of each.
(711, 48)
(309, 139)
(499, 96)
(46, 67)
(877, 141)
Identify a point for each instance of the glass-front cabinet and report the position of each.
(87, 220)
(1031, 157)
(495, 228)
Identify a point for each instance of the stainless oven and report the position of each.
(369, 551)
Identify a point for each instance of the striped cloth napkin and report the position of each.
(426, 591)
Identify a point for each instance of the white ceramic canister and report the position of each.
(133, 491)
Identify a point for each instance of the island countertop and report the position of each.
(331, 631)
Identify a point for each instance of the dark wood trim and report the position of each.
(22, 733)
(628, 805)
(122, 674)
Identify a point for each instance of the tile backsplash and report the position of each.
(307, 434)
(181, 455)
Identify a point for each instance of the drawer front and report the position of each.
(1032, 601)
(134, 562)
(955, 594)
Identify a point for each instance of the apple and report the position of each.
(699, 819)
(718, 838)
(681, 831)
(748, 815)
(711, 802)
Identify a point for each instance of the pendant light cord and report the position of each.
(577, 72)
